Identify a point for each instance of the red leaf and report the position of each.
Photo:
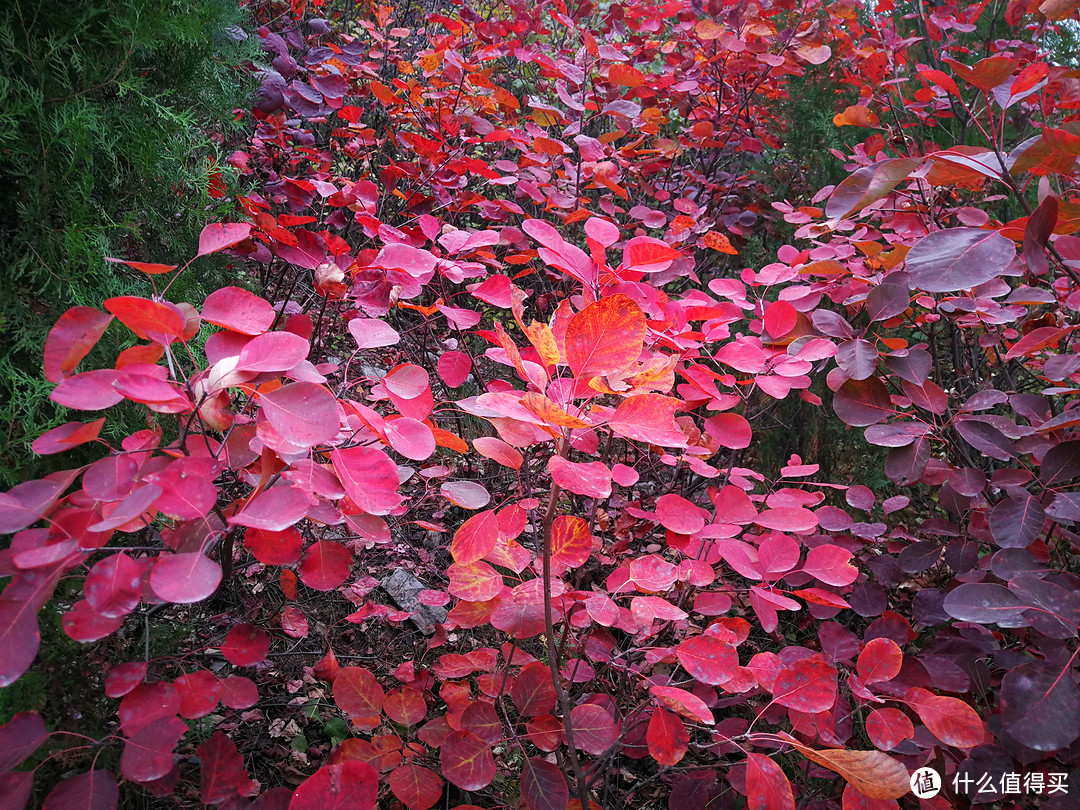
(305, 414)
(71, 339)
(543, 786)
(350, 785)
(685, 703)
(246, 645)
(454, 368)
(221, 235)
(475, 538)
(114, 585)
(571, 542)
(730, 430)
(185, 578)
(149, 268)
(499, 451)
(88, 391)
(19, 738)
(273, 352)
(274, 509)
(666, 737)
(679, 515)
(807, 685)
(415, 786)
(372, 333)
(767, 787)
(880, 660)
(239, 310)
(326, 565)
(63, 438)
(83, 623)
(887, 728)
(594, 729)
(198, 694)
(275, 548)
(949, 719)
(148, 754)
(592, 479)
(123, 678)
(369, 477)
(467, 761)
(780, 318)
(533, 692)
(406, 706)
(147, 703)
(238, 692)
(708, 659)
(222, 774)
(605, 337)
(359, 695)
(158, 321)
(93, 790)
(474, 582)
(648, 418)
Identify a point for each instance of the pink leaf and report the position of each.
(305, 414)
(71, 339)
(591, 479)
(239, 310)
(221, 235)
(185, 578)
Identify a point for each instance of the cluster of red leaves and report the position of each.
(432, 184)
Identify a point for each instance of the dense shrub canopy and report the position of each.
(494, 478)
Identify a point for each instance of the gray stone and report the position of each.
(403, 588)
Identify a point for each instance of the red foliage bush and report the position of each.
(519, 224)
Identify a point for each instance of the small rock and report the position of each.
(403, 588)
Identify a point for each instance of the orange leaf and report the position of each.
(549, 412)
(625, 75)
(717, 241)
(874, 774)
(605, 337)
(857, 116)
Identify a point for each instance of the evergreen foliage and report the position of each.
(112, 115)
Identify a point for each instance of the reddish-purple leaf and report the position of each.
(148, 754)
(591, 479)
(466, 494)
(239, 310)
(238, 692)
(372, 333)
(958, 259)
(1016, 521)
(20, 737)
(305, 414)
(417, 787)
(83, 623)
(273, 352)
(326, 565)
(708, 659)
(71, 339)
(467, 760)
(16, 787)
(369, 477)
(543, 786)
(185, 578)
(808, 685)
(862, 402)
(146, 703)
(594, 729)
(220, 235)
(275, 548)
(867, 185)
(93, 790)
(222, 774)
(123, 678)
(767, 786)
(114, 585)
(246, 645)
(666, 737)
(198, 692)
(349, 785)
(63, 438)
(532, 692)
(857, 358)
(1040, 706)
